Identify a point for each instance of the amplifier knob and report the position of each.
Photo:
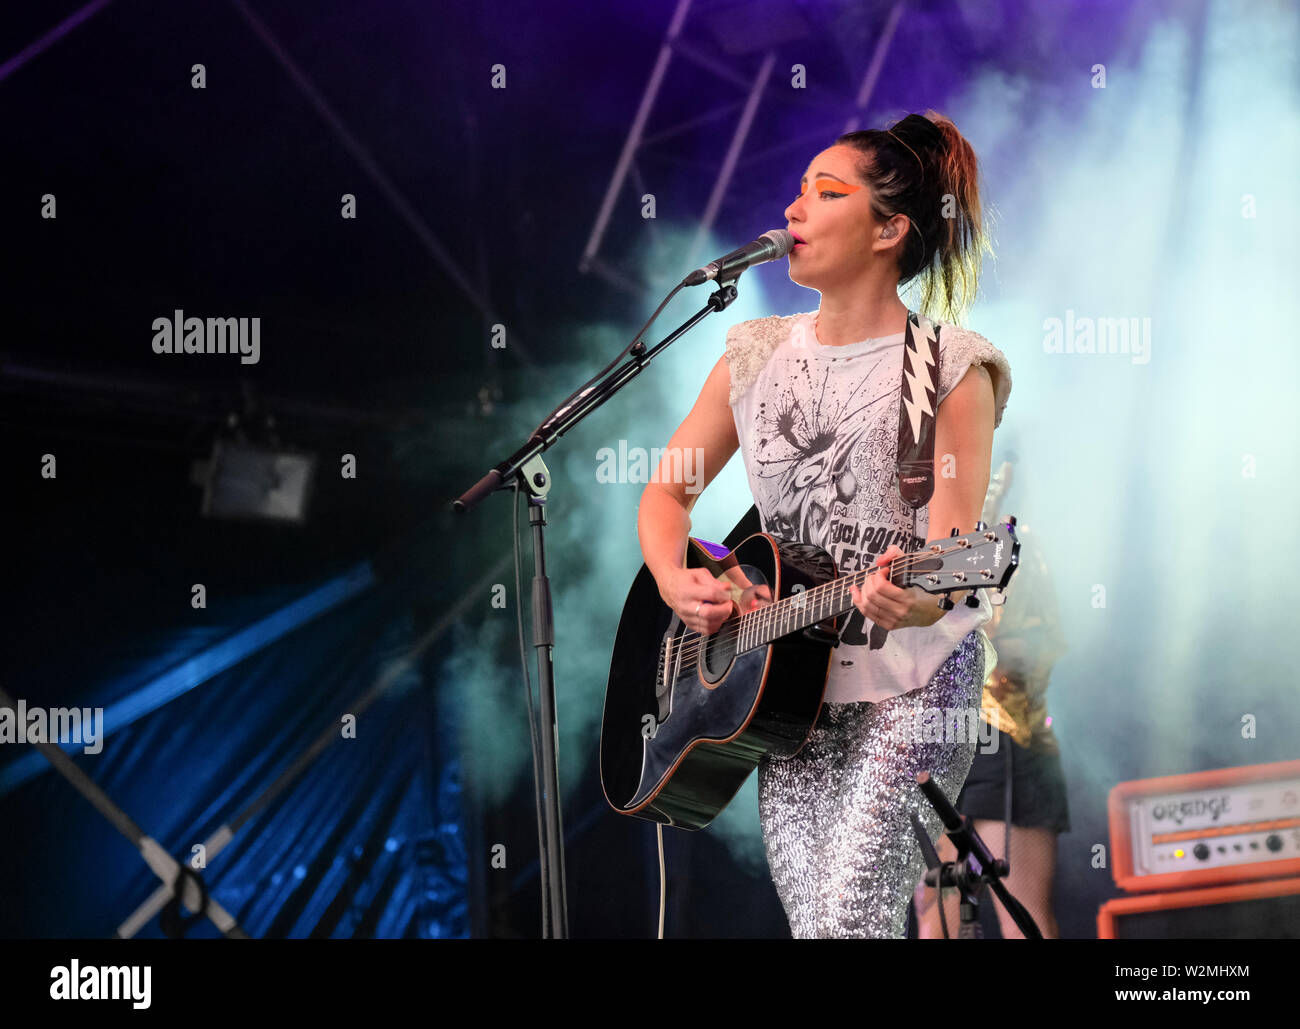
(1201, 851)
(1274, 842)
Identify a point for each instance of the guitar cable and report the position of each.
(663, 879)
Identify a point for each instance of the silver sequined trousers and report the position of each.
(840, 845)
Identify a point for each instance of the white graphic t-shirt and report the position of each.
(818, 430)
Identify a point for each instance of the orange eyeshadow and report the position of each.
(830, 186)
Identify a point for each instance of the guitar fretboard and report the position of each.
(808, 607)
(798, 611)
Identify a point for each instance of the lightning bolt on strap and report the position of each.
(916, 411)
(914, 467)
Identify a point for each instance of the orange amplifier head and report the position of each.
(1223, 826)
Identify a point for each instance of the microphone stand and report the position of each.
(975, 866)
(525, 470)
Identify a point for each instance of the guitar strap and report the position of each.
(914, 464)
(920, 392)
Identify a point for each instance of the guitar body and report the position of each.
(687, 719)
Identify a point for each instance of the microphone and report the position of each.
(768, 247)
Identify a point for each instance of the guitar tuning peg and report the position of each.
(974, 599)
(955, 531)
(945, 603)
(1012, 521)
(980, 526)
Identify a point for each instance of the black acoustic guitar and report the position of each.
(688, 717)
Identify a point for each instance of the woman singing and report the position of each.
(813, 403)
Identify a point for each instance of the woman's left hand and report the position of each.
(890, 606)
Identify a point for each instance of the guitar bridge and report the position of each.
(665, 675)
(661, 676)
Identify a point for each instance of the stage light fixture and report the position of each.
(243, 481)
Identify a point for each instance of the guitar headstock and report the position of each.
(983, 559)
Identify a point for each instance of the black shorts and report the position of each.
(1037, 787)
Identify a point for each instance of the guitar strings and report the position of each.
(690, 643)
(768, 615)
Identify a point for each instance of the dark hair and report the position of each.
(924, 168)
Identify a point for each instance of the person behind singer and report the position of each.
(812, 401)
(1023, 767)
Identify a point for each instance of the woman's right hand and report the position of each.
(691, 590)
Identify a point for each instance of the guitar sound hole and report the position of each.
(719, 652)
